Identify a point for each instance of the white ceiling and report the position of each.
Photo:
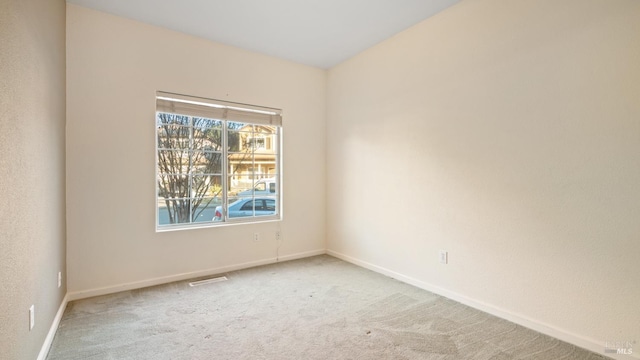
(319, 33)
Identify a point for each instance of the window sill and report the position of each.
(179, 227)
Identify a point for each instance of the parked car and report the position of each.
(245, 207)
(264, 187)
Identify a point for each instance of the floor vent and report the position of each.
(208, 281)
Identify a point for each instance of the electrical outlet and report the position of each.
(59, 279)
(443, 256)
(256, 236)
(32, 316)
(278, 235)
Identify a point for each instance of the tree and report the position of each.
(190, 163)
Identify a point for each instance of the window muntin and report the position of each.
(208, 165)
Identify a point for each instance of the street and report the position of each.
(206, 215)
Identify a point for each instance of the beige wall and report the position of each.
(507, 133)
(32, 163)
(114, 67)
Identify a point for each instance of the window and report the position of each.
(257, 143)
(217, 162)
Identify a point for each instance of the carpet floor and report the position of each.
(314, 308)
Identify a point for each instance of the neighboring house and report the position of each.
(254, 156)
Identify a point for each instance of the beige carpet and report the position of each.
(315, 308)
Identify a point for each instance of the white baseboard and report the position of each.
(547, 329)
(44, 351)
(83, 294)
(302, 255)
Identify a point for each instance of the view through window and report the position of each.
(217, 162)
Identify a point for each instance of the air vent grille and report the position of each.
(208, 281)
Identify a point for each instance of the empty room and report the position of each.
(419, 179)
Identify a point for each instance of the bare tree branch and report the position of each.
(190, 163)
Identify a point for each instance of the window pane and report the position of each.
(264, 206)
(172, 119)
(239, 159)
(206, 210)
(235, 132)
(264, 165)
(270, 205)
(207, 139)
(240, 164)
(240, 185)
(163, 213)
(173, 131)
(257, 143)
(261, 186)
(173, 137)
(174, 211)
(247, 206)
(206, 162)
(206, 186)
(205, 123)
(173, 186)
(173, 162)
(246, 139)
(267, 206)
(236, 126)
(242, 207)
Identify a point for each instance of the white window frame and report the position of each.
(226, 112)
